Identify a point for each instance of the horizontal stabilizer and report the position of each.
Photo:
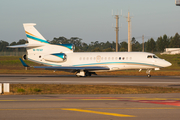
(25, 46)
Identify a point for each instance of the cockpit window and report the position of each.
(154, 56)
(149, 56)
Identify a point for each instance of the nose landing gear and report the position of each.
(148, 73)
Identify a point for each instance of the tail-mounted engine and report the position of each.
(56, 57)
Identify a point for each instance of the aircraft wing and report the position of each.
(72, 68)
(68, 68)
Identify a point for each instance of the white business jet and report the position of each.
(61, 57)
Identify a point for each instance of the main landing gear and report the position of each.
(84, 73)
(148, 73)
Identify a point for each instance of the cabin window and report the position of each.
(116, 58)
(87, 58)
(105, 58)
(83, 58)
(130, 58)
(112, 58)
(90, 58)
(102, 58)
(154, 56)
(149, 56)
(94, 58)
(119, 58)
(126, 58)
(123, 58)
(80, 58)
(108, 58)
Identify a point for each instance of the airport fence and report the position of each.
(12, 53)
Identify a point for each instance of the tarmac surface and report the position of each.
(88, 107)
(162, 81)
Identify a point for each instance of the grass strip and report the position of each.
(28, 89)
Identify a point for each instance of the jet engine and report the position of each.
(56, 57)
(24, 57)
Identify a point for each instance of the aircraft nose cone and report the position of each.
(167, 64)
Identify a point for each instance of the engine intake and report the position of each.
(24, 57)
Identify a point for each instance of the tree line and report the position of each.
(151, 45)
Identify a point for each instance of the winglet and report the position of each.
(23, 63)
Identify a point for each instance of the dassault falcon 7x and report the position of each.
(63, 58)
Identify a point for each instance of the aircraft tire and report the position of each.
(148, 75)
(88, 74)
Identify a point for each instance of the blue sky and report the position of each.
(90, 20)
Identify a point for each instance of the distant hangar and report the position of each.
(177, 2)
(171, 51)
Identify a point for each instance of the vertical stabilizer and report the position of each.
(33, 36)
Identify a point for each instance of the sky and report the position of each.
(90, 20)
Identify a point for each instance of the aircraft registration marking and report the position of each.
(37, 49)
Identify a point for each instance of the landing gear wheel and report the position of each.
(78, 76)
(148, 75)
(88, 74)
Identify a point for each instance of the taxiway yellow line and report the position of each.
(105, 98)
(75, 109)
(86, 108)
(97, 112)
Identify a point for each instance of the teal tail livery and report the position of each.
(33, 36)
(63, 58)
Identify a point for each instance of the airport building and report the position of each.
(171, 51)
(177, 2)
